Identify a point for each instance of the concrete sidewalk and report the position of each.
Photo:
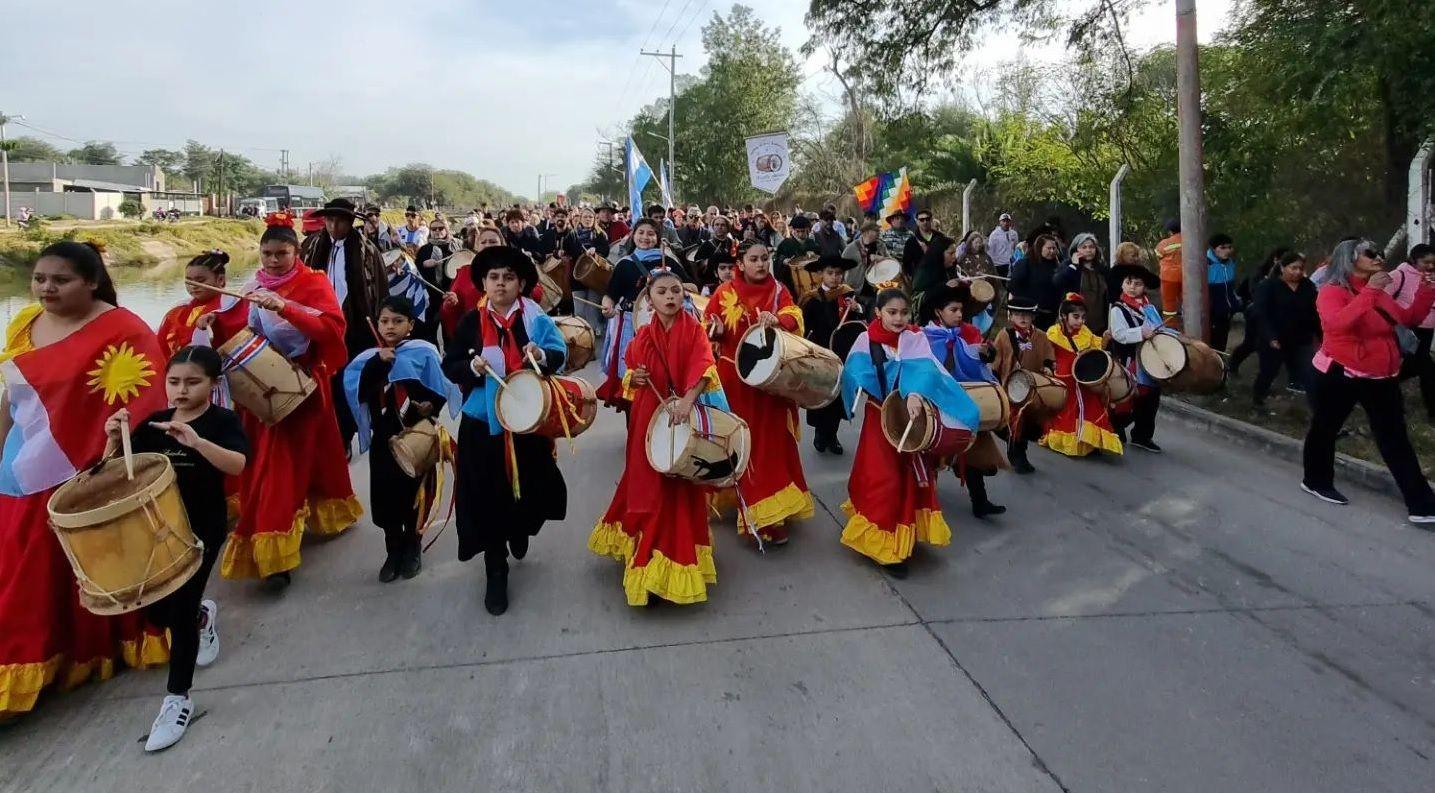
(1179, 622)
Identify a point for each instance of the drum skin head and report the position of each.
(666, 443)
(758, 356)
(1163, 356)
(1091, 366)
(1019, 386)
(521, 403)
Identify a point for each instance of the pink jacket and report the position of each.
(1355, 334)
(1403, 286)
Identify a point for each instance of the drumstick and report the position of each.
(379, 340)
(588, 302)
(496, 378)
(429, 285)
(901, 444)
(128, 451)
(221, 290)
(534, 360)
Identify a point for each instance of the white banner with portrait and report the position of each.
(768, 163)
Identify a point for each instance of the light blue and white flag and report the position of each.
(665, 184)
(639, 174)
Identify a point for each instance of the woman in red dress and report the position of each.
(177, 328)
(69, 361)
(298, 476)
(661, 535)
(774, 490)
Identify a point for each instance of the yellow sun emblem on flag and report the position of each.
(120, 373)
(732, 310)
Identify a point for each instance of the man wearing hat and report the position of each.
(356, 272)
(824, 308)
(413, 234)
(1022, 346)
(1001, 243)
(799, 244)
(613, 229)
(896, 235)
(376, 229)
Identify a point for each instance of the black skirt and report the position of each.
(487, 514)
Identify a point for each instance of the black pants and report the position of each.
(1016, 446)
(1335, 397)
(1295, 358)
(1421, 365)
(392, 495)
(1220, 331)
(1142, 418)
(825, 420)
(1250, 344)
(977, 487)
(179, 612)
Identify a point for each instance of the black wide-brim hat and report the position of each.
(502, 256)
(1121, 272)
(934, 299)
(823, 262)
(338, 208)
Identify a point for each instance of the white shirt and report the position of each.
(416, 237)
(1001, 245)
(338, 270)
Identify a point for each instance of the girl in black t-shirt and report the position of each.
(204, 443)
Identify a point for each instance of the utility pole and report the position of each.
(5, 161)
(219, 204)
(1196, 320)
(284, 163)
(672, 67)
(611, 167)
(541, 177)
(311, 174)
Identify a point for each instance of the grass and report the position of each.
(1289, 415)
(141, 244)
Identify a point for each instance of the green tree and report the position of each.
(96, 152)
(167, 160)
(199, 161)
(30, 149)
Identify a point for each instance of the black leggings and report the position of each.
(1336, 395)
(179, 612)
(1421, 365)
(1296, 358)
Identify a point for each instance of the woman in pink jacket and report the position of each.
(1404, 285)
(1359, 362)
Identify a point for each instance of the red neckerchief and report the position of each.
(498, 332)
(1137, 304)
(760, 296)
(878, 332)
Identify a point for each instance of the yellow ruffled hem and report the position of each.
(332, 516)
(231, 510)
(676, 583)
(609, 539)
(21, 684)
(266, 553)
(789, 503)
(1092, 438)
(891, 547)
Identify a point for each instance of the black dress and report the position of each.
(393, 494)
(489, 517)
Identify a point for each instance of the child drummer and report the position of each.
(204, 443)
(1021, 346)
(824, 307)
(959, 346)
(1134, 319)
(507, 484)
(1084, 425)
(892, 496)
(774, 489)
(390, 388)
(658, 526)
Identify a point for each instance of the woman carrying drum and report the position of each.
(774, 489)
(176, 330)
(660, 533)
(892, 496)
(298, 477)
(1084, 425)
(630, 277)
(1134, 319)
(205, 443)
(69, 360)
(507, 484)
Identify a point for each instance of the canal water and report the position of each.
(140, 291)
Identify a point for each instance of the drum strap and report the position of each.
(879, 362)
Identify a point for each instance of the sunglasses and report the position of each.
(924, 218)
(411, 214)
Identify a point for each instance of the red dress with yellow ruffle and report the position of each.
(176, 330)
(298, 475)
(1084, 425)
(774, 489)
(60, 396)
(658, 525)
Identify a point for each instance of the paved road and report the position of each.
(1187, 622)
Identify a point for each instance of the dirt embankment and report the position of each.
(140, 244)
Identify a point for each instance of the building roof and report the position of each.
(107, 187)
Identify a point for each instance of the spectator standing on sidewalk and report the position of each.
(1287, 329)
(1001, 243)
(1221, 298)
(1359, 362)
(1405, 284)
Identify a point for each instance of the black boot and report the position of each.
(819, 441)
(412, 560)
(518, 546)
(1017, 454)
(981, 505)
(834, 445)
(495, 597)
(390, 570)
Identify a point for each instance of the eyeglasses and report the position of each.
(924, 218)
(1370, 254)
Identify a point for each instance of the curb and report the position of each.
(1347, 468)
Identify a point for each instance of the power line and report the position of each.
(656, 21)
(695, 18)
(53, 134)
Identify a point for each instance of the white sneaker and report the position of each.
(208, 634)
(1422, 517)
(170, 724)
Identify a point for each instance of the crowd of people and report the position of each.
(389, 335)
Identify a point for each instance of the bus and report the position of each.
(296, 197)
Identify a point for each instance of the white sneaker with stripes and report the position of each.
(170, 724)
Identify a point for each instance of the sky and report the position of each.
(508, 92)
